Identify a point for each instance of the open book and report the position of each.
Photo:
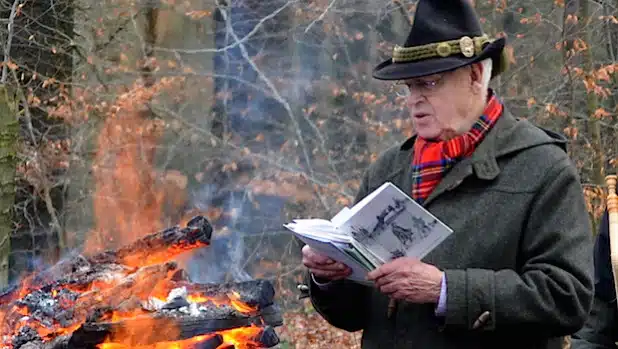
(384, 225)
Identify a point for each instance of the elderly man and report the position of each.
(517, 271)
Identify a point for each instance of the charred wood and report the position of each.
(61, 342)
(160, 245)
(141, 282)
(186, 326)
(90, 340)
(267, 338)
(80, 271)
(8, 294)
(63, 308)
(213, 318)
(258, 294)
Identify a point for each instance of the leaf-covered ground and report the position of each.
(307, 330)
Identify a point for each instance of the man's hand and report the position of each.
(324, 267)
(408, 279)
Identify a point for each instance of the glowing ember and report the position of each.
(188, 343)
(242, 337)
(160, 257)
(238, 305)
(233, 299)
(26, 313)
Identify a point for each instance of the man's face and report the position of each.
(444, 105)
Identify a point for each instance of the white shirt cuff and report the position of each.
(321, 285)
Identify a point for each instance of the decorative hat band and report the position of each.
(465, 45)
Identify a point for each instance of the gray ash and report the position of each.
(25, 335)
(49, 307)
(176, 303)
(206, 310)
(254, 293)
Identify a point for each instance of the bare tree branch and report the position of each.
(9, 40)
(320, 17)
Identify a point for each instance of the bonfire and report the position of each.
(137, 297)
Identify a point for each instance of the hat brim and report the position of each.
(388, 70)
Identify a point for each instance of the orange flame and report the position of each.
(232, 299)
(240, 306)
(158, 258)
(136, 333)
(133, 336)
(127, 203)
(243, 337)
(187, 343)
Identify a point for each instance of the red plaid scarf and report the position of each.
(433, 159)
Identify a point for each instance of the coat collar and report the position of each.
(509, 135)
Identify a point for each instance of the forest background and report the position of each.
(122, 117)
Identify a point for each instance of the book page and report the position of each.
(393, 225)
(331, 249)
(341, 216)
(317, 228)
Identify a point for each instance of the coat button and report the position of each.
(481, 320)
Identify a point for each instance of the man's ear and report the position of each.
(476, 76)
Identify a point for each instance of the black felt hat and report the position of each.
(445, 35)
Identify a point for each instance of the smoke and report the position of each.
(229, 257)
(250, 110)
(223, 259)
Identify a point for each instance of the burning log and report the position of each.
(267, 338)
(210, 320)
(62, 307)
(142, 282)
(160, 246)
(66, 342)
(81, 271)
(181, 327)
(102, 302)
(257, 294)
(171, 325)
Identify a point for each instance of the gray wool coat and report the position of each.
(519, 265)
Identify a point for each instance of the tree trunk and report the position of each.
(9, 135)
